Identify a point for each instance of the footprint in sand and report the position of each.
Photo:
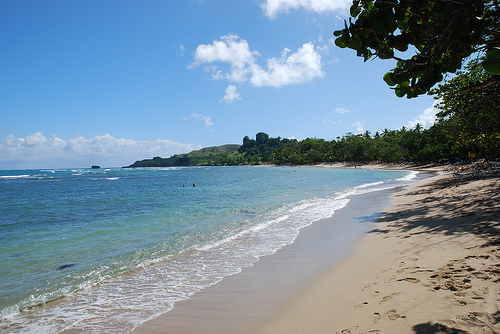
(348, 330)
(409, 279)
(392, 315)
(386, 298)
(361, 305)
(367, 286)
(414, 270)
(376, 317)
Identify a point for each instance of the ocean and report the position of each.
(103, 250)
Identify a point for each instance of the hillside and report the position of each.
(207, 156)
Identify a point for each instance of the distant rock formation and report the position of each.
(96, 167)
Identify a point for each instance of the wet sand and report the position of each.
(244, 302)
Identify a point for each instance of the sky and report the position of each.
(110, 82)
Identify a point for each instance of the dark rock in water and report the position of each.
(96, 167)
(66, 266)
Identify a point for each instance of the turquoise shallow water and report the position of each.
(104, 250)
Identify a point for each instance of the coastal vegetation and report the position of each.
(208, 156)
(467, 126)
(442, 35)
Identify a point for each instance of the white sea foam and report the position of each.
(155, 289)
(120, 303)
(15, 176)
(366, 185)
(411, 175)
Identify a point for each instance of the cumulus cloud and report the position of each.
(426, 119)
(290, 68)
(231, 95)
(36, 139)
(200, 117)
(299, 67)
(38, 151)
(271, 8)
(230, 49)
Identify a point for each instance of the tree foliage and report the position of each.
(472, 116)
(260, 148)
(442, 33)
(390, 146)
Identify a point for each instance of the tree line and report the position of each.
(404, 145)
(467, 127)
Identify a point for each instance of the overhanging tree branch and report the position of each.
(444, 33)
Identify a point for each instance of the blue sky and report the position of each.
(112, 82)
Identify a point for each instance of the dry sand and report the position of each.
(431, 264)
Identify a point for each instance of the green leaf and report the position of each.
(368, 4)
(385, 53)
(355, 45)
(402, 89)
(401, 47)
(491, 63)
(341, 42)
(388, 78)
(355, 8)
(400, 92)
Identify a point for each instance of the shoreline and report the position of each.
(431, 264)
(243, 302)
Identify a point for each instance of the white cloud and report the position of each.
(181, 50)
(426, 119)
(36, 139)
(341, 111)
(360, 126)
(299, 67)
(201, 117)
(231, 95)
(38, 151)
(229, 49)
(329, 122)
(273, 7)
(290, 68)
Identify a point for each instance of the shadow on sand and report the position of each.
(460, 213)
(448, 208)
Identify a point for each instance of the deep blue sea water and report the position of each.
(103, 250)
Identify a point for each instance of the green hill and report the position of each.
(208, 156)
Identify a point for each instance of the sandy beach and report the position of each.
(430, 263)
